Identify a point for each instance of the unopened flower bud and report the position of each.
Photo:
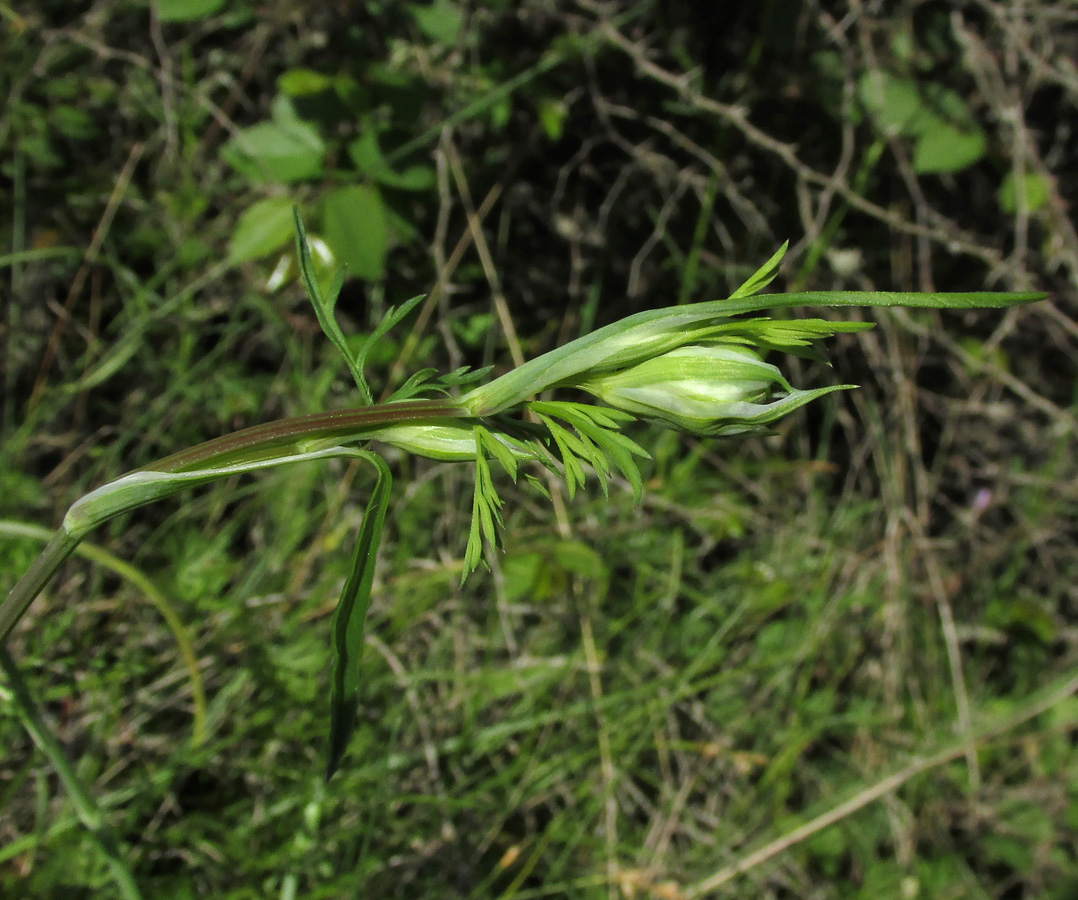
(449, 443)
(706, 390)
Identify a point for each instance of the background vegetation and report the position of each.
(833, 662)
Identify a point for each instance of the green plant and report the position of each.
(694, 368)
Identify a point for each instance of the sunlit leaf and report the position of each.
(264, 228)
(186, 10)
(354, 225)
(440, 21)
(895, 103)
(284, 149)
(946, 148)
(1035, 189)
(302, 82)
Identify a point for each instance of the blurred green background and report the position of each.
(836, 661)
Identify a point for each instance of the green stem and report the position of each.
(272, 437)
(152, 593)
(86, 808)
(285, 440)
(31, 584)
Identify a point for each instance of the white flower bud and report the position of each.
(715, 389)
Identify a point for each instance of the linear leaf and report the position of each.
(350, 619)
(763, 276)
(324, 306)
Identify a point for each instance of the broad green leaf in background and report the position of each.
(948, 138)
(302, 82)
(440, 21)
(264, 228)
(368, 159)
(186, 10)
(946, 148)
(894, 102)
(354, 226)
(552, 115)
(350, 619)
(284, 149)
(1035, 188)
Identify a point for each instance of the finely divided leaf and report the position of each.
(350, 619)
(428, 380)
(498, 450)
(421, 381)
(597, 441)
(486, 504)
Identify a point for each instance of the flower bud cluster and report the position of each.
(701, 389)
(721, 387)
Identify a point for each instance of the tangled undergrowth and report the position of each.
(781, 675)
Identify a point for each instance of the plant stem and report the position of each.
(101, 556)
(285, 439)
(86, 808)
(37, 576)
(249, 443)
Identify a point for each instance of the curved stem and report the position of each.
(34, 580)
(248, 443)
(285, 440)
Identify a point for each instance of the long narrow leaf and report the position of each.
(349, 622)
(646, 334)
